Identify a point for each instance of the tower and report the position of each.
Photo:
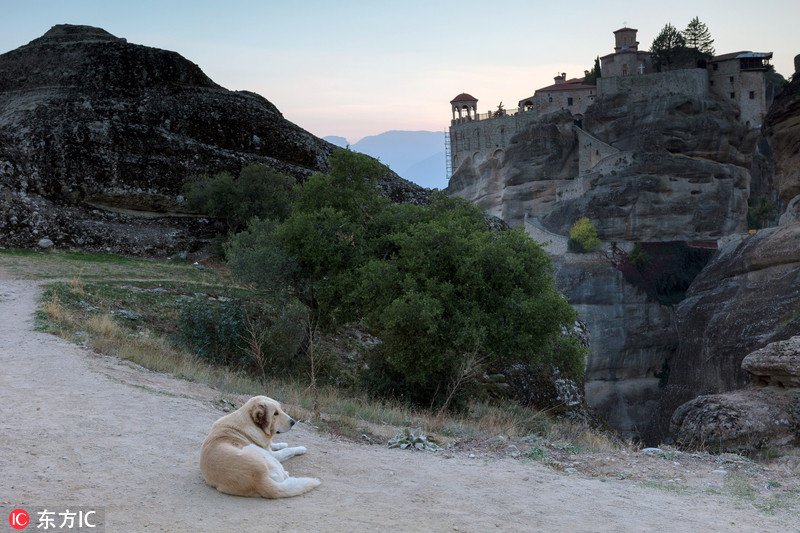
(465, 106)
(626, 40)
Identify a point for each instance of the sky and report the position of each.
(356, 68)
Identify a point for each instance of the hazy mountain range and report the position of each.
(417, 156)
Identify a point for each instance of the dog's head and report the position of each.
(267, 415)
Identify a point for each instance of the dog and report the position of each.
(239, 458)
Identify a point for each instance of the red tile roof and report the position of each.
(463, 97)
(574, 84)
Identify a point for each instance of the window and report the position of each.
(711, 83)
(715, 66)
(730, 79)
(569, 101)
(752, 95)
(733, 95)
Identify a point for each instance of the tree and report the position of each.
(591, 79)
(447, 296)
(698, 37)
(583, 236)
(667, 47)
(500, 110)
(258, 191)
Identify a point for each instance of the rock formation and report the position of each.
(782, 130)
(631, 339)
(98, 136)
(765, 415)
(745, 298)
(775, 365)
(678, 152)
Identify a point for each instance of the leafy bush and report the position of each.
(639, 258)
(759, 215)
(583, 237)
(212, 330)
(448, 297)
(258, 191)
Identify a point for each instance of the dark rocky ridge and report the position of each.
(113, 130)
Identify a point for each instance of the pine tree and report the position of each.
(667, 47)
(698, 37)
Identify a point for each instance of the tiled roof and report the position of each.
(741, 55)
(574, 84)
(463, 97)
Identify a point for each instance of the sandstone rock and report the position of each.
(525, 179)
(792, 213)
(782, 130)
(631, 339)
(777, 364)
(659, 197)
(746, 298)
(683, 172)
(109, 132)
(737, 422)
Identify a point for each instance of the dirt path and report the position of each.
(78, 429)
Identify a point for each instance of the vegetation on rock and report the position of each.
(583, 237)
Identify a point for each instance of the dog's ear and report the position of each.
(261, 417)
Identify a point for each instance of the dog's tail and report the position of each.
(292, 486)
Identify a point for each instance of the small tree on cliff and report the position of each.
(583, 237)
(667, 47)
(591, 78)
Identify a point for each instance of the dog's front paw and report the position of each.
(299, 450)
(275, 446)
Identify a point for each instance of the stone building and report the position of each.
(740, 76)
(563, 94)
(627, 59)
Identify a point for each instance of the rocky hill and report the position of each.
(98, 136)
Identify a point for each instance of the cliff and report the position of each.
(668, 156)
(782, 130)
(660, 159)
(98, 136)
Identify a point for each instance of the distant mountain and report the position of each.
(417, 156)
(338, 141)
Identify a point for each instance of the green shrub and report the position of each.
(212, 330)
(448, 297)
(583, 236)
(639, 258)
(258, 191)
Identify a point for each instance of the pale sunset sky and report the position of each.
(358, 68)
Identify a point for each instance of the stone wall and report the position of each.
(654, 86)
(591, 150)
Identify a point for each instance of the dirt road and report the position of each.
(79, 429)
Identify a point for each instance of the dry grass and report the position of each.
(341, 410)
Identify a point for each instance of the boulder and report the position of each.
(775, 365)
(738, 422)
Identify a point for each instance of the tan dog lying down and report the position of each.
(239, 458)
